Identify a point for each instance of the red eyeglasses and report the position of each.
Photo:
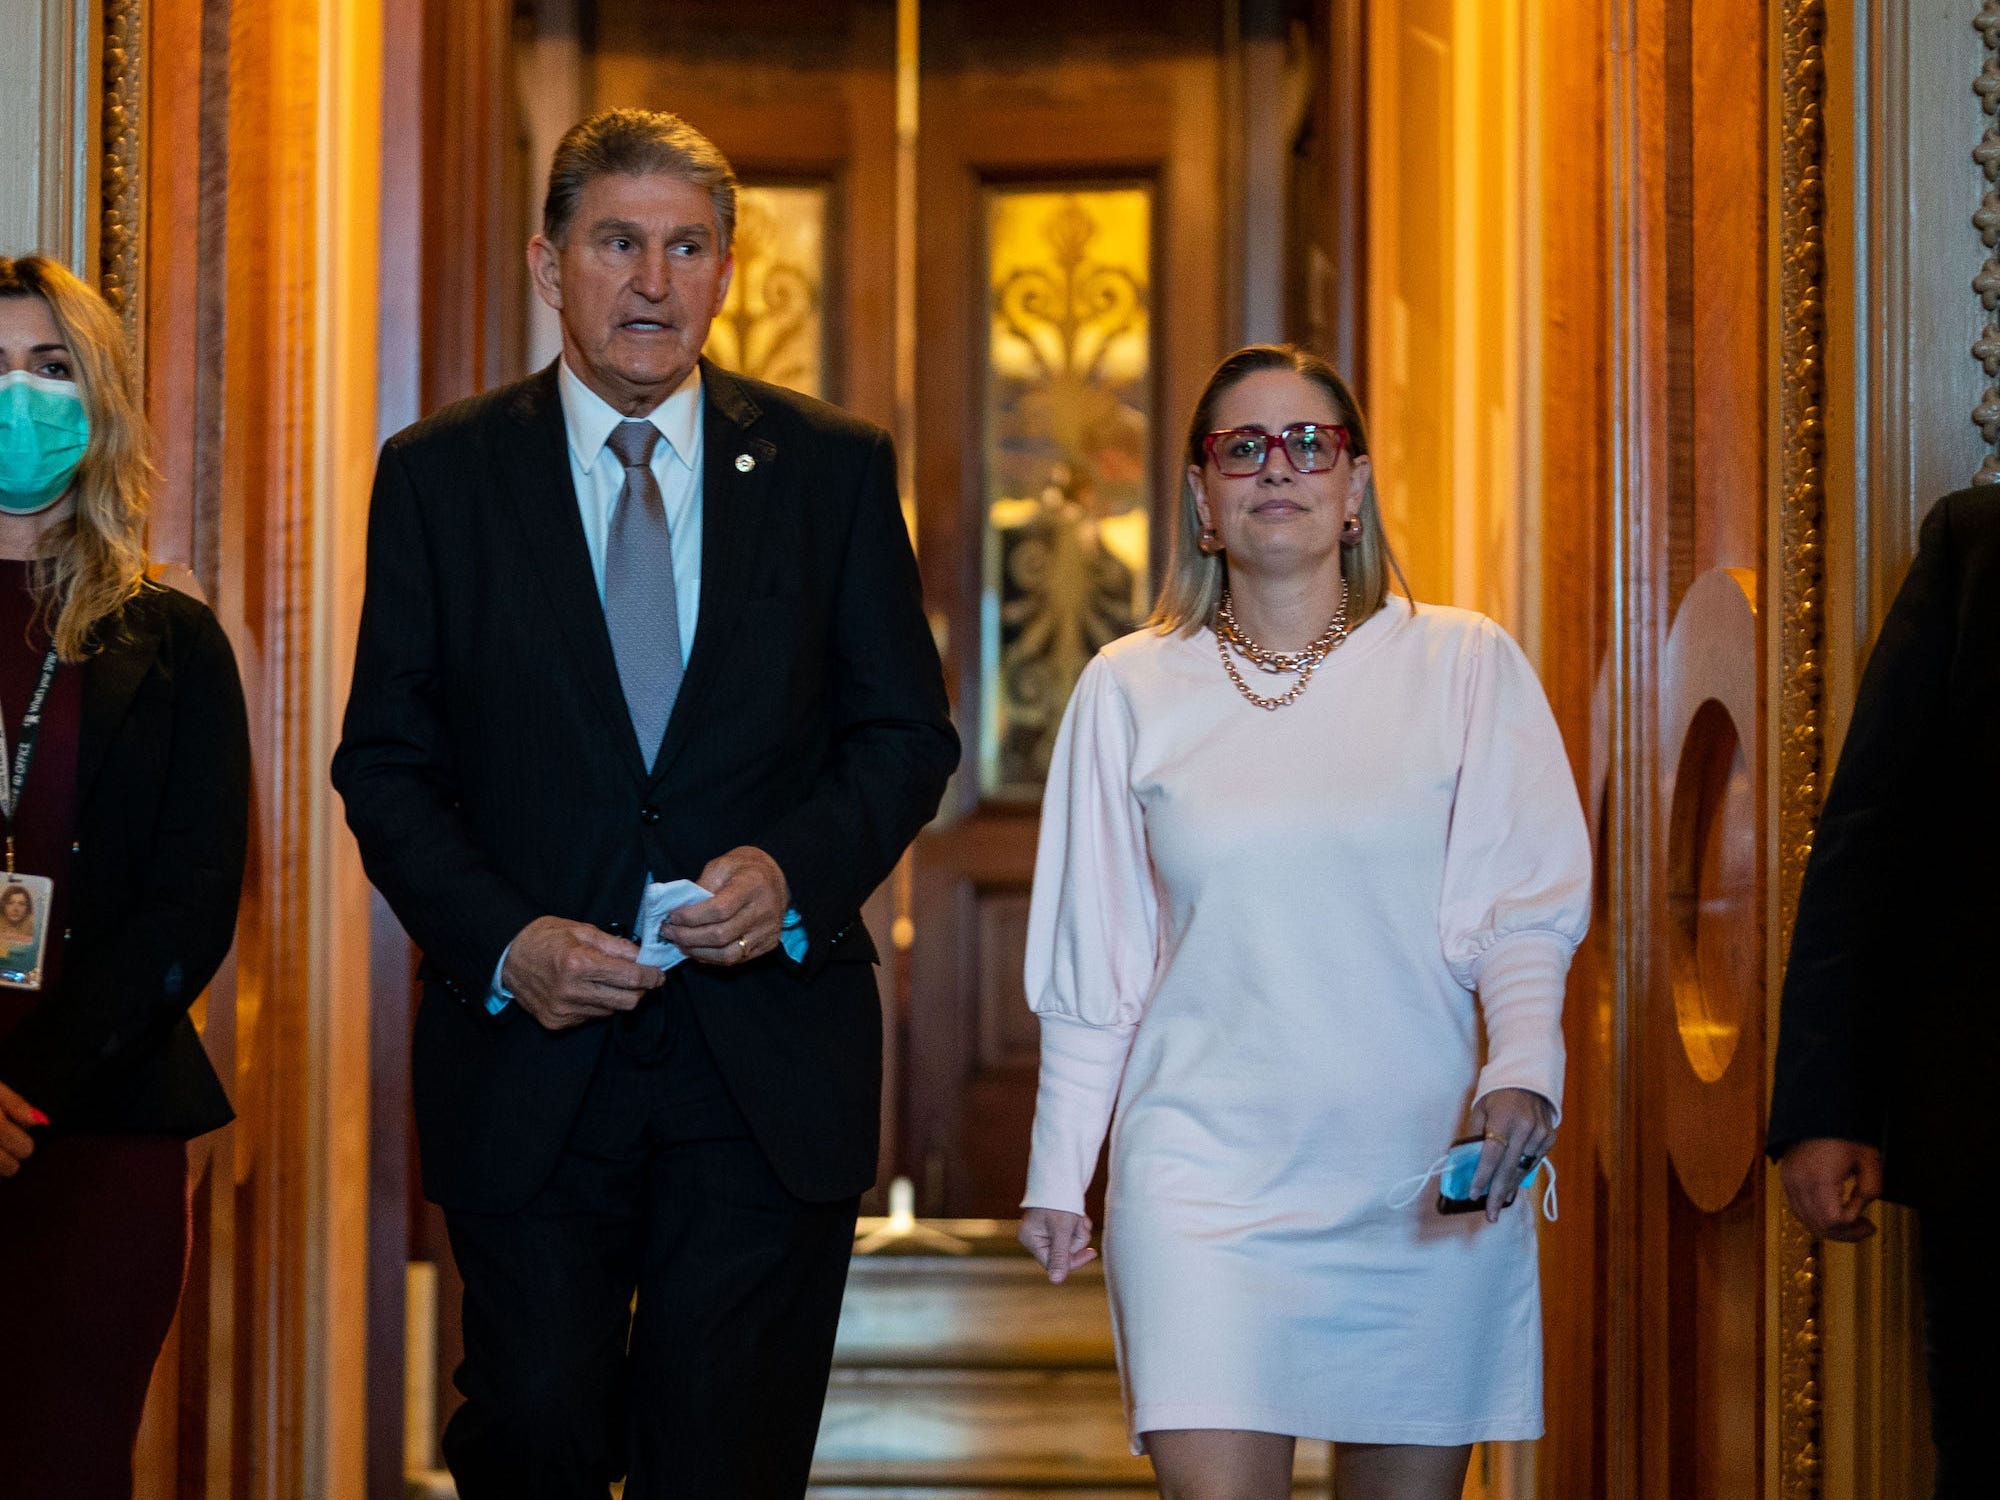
(1310, 448)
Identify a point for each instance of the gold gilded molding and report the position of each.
(121, 193)
(1986, 350)
(1801, 582)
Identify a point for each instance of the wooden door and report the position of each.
(1061, 145)
(1713, 724)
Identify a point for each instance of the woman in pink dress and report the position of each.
(1311, 872)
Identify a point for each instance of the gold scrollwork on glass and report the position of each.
(1067, 482)
(772, 323)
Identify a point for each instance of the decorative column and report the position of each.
(1986, 415)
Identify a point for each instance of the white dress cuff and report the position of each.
(1082, 1066)
(1521, 978)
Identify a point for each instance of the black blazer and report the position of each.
(491, 774)
(163, 811)
(1889, 1031)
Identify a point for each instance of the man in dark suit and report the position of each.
(1889, 1034)
(636, 617)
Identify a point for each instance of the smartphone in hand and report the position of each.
(1455, 1181)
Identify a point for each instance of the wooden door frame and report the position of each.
(979, 131)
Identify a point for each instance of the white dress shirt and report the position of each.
(676, 464)
(599, 477)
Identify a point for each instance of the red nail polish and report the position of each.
(37, 1116)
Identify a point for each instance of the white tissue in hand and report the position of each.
(661, 899)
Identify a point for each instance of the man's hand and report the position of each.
(16, 1145)
(1059, 1240)
(743, 920)
(1829, 1183)
(565, 973)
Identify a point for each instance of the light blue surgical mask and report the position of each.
(44, 431)
(1455, 1170)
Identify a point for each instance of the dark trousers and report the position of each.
(1961, 1334)
(93, 1249)
(713, 1390)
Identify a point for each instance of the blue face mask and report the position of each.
(44, 431)
(1455, 1170)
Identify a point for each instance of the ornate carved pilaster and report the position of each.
(119, 223)
(1986, 415)
(1801, 583)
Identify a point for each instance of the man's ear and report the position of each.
(545, 270)
(722, 286)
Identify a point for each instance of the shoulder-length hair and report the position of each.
(94, 562)
(1193, 587)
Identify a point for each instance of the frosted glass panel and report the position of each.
(772, 326)
(1068, 492)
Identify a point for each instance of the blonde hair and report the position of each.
(94, 562)
(1192, 590)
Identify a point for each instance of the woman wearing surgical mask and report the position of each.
(124, 790)
(1305, 848)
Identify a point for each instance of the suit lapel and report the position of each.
(535, 480)
(734, 497)
(110, 679)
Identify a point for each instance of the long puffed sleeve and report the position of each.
(1516, 897)
(1093, 925)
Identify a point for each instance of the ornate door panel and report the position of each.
(1703, 689)
(1700, 1006)
(1070, 276)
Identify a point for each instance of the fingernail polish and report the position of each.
(38, 1117)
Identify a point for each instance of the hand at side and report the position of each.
(1059, 1240)
(1519, 1128)
(16, 1145)
(1830, 1182)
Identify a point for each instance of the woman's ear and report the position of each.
(1200, 492)
(1359, 471)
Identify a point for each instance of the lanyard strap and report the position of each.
(15, 775)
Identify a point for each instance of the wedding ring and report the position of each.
(744, 945)
(1492, 1137)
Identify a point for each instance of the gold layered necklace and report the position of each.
(1229, 637)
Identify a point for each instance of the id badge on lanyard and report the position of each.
(25, 900)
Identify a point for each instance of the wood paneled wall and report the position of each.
(255, 303)
(1451, 308)
(1570, 82)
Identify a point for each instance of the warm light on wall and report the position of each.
(1451, 298)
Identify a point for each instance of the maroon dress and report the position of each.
(94, 1229)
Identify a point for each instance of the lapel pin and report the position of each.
(745, 463)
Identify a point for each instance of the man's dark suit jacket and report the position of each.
(492, 776)
(162, 814)
(1889, 1031)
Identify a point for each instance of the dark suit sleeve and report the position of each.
(135, 980)
(395, 769)
(893, 746)
(1865, 881)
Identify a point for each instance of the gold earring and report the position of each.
(1211, 541)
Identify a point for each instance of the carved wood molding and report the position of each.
(1801, 627)
(1986, 350)
(122, 194)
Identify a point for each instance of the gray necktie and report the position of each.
(641, 606)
